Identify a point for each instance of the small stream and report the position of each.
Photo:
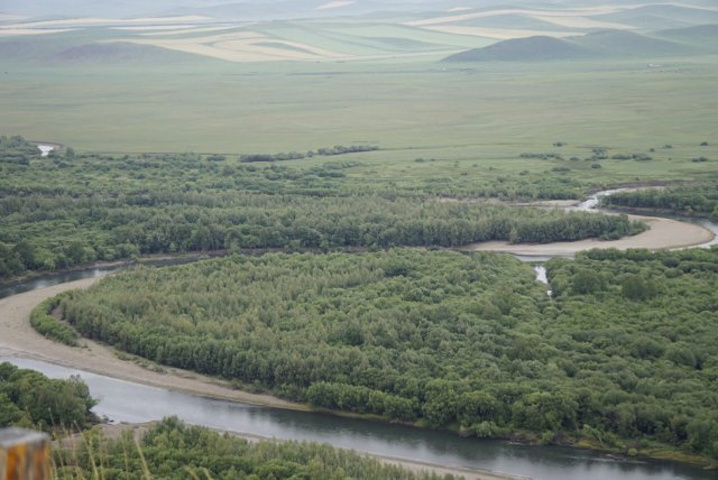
(541, 277)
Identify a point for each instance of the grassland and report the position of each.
(202, 84)
(473, 120)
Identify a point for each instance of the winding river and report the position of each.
(123, 401)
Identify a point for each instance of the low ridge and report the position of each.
(600, 44)
(524, 49)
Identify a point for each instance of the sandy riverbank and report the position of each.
(19, 339)
(663, 234)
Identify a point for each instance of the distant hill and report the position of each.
(64, 49)
(119, 53)
(703, 36)
(620, 43)
(524, 49)
(662, 16)
(602, 44)
(511, 21)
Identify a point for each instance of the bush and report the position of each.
(47, 325)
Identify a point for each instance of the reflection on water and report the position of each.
(58, 278)
(129, 402)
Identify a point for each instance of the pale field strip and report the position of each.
(500, 33)
(6, 17)
(584, 12)
(240, 47)
(102, 22)
(243, 50)
(336, 4)
(186, 30)
(582, 22)
(32, 31)
(144, 28)
(685, 5)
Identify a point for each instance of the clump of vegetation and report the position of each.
(542, 156)
(46, 324)
(16, 150)
(639, 157)
(29, 399)
(341, 150)
(598, 153)
(279, 157)
(699, 159)
(324, 152)
(173, 450)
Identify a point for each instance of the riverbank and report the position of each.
(662, 234)
(18, 338)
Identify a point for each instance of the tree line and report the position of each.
(698, 200)
(40, 233)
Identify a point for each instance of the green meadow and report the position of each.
(470, 119)
(478, 110)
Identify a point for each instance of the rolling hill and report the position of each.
(620, 43)
(602, 44)
(702, 36)
(662, 16)
(120, 53)
(524, 49)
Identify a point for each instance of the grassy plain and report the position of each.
(472, 121)
(473, 116)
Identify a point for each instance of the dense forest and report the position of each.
(29, 399)
(695, 200)
(623, 352)
(72, 210)
(172, 450)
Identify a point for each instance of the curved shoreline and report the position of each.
(19, 339)
(662, 234)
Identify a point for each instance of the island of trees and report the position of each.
(622, 354)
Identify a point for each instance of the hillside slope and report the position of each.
(524, 49)
(603, 44)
